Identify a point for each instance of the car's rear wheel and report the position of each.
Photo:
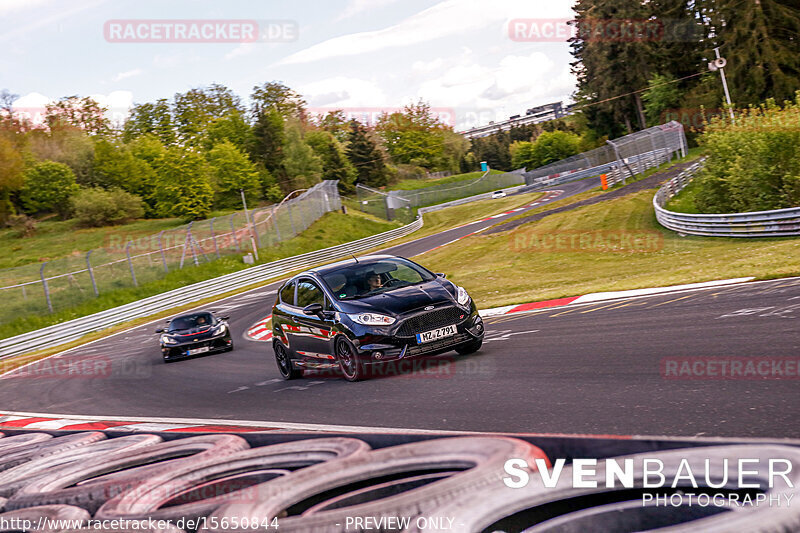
(348, 360)
(285, 366)
(470, 347)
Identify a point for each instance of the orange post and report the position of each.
(604, 182)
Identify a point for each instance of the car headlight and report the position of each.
(461, 296)
(219, 330)
(372, 319)
(168, 340)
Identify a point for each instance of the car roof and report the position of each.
(366, 260)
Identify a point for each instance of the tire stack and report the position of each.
(218, 483)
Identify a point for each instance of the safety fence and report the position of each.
(131, 260)
(775, 223)
(620, 159)
(380, 482)
(402, 205)
(74, 329)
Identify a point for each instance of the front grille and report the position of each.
(431, 320)
(428, 347)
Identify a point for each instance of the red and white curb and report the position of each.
(56, 422)
(261, 330)
(603, 296)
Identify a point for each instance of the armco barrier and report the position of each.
(776, 223)
(401, 482)
(75, 329)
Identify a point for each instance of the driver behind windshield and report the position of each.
(374, 281)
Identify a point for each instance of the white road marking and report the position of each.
(240, 389)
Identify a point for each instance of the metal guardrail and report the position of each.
(75, 329)
(775, 223)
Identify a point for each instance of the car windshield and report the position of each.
(358, 280)
(199, 320)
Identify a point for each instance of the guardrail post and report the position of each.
(91, 272)
(45, 287)
(161, 250)
(213, 236)
(233, 232)
(130, 263)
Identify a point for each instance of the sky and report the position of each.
(457, 55)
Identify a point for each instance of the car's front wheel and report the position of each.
(285, 366)
(348, 361)
(470, 347)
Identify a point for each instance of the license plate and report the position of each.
(202, 349)
(436, 334)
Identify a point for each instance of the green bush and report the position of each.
(753, 163)
(101, 207)
(48, 187)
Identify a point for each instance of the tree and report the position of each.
(101, 207)
(277, 96)
(335, 165)
(11, 176)
(194, 110)
(232, 171)
(553, 146)
(77, 113)
(413, 136)
(69, 146)
(268, 140)
(116, 166)
(522, 154)
(48, 187)
(233, 128)
(303, 167)
(608, 64)
(662, 94)
(335, 122)
(183, 189)
(365, 155)
(150, 118)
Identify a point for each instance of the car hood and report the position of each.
(403, 299)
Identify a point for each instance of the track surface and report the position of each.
(584, 369)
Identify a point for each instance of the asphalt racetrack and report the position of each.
(602, 368)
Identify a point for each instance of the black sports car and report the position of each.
(368, 311)
(193, 334)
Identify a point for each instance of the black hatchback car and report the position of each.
(367, 311)
(194, 334)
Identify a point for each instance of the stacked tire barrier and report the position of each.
(775, 223)
(93, 481)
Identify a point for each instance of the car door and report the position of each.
(284, 326)
(314, 335)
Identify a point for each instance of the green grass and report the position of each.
(332, 229)
(505, 268)
(60, 238)
(414, 184)
(683, 202)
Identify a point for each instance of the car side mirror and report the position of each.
(160, 330)
(313, 310)
(441, 275)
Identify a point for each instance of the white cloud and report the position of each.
(356, 7)
(10, 6)
(447, 18)
(128, 74)
(342, 92)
